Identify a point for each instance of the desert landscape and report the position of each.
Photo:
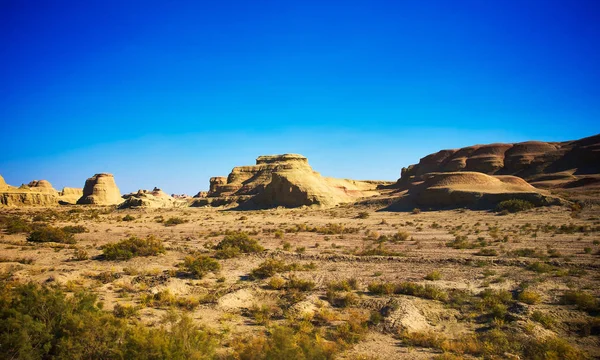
(489, 251)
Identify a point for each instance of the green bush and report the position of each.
(269, 268)
(434, 275)
(583, 300)
(132, 247)
(128, 217)
(51, 234)
(529, 297)
(75, 229)
(174, 221)
(236, 243)
(15, 225)
(39, 322)
(514, 205)
(201, 265)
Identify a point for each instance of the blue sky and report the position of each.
(171, 93)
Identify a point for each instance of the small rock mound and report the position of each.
(101, 189)
(470, 189)
(41, 186)
(155, 198)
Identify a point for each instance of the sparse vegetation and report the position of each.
(514, 205)
(200, 265)
(237, 243)
(51, 234)
(132, 247)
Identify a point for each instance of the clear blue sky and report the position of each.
(169, 93)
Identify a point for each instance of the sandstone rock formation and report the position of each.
(470, 189)
(155, 198)
(282, 180)
(544, 164)
(101, 189)
(70, 195)
(36, 193)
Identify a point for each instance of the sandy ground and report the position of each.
(334, 258)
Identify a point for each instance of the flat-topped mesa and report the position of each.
(271, 159)
(101, 189)
(282, 180)
(249, 180)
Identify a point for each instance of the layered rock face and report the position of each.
(532, 160)
(471, 189)
(101, 189)
(155, 198)
(282, 180)
(36, 193)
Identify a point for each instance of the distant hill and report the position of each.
(566, 164)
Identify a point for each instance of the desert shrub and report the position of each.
(80, 255)
(343, 285)
(285, 342)
(276, 283)
(381, 288)
(125, 311)
(514, 205)
(416, 211)
(269, 268)
(300, 284)
(362, 215)
(581, 299)
(40, 322)
(132, 247)
(426, 292)
(546, 320)
(200, 265)
(75, 229)
(400, 236)
(380, 250)
(540, 267)
(172, 221)
(434, 275)
(236, 243)
(15, 225)
(128, 217)
(487, 252)
(342, 300)
(552, 348)
(526, 252)
(529, 297)
(51, 234)
(278, 234)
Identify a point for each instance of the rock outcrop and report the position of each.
(282, 180)
(544, 164)
(101, 189)
(70, 195)
(155, 198)
(470, 189)
(36, 193)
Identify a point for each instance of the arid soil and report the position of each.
(545, 253)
